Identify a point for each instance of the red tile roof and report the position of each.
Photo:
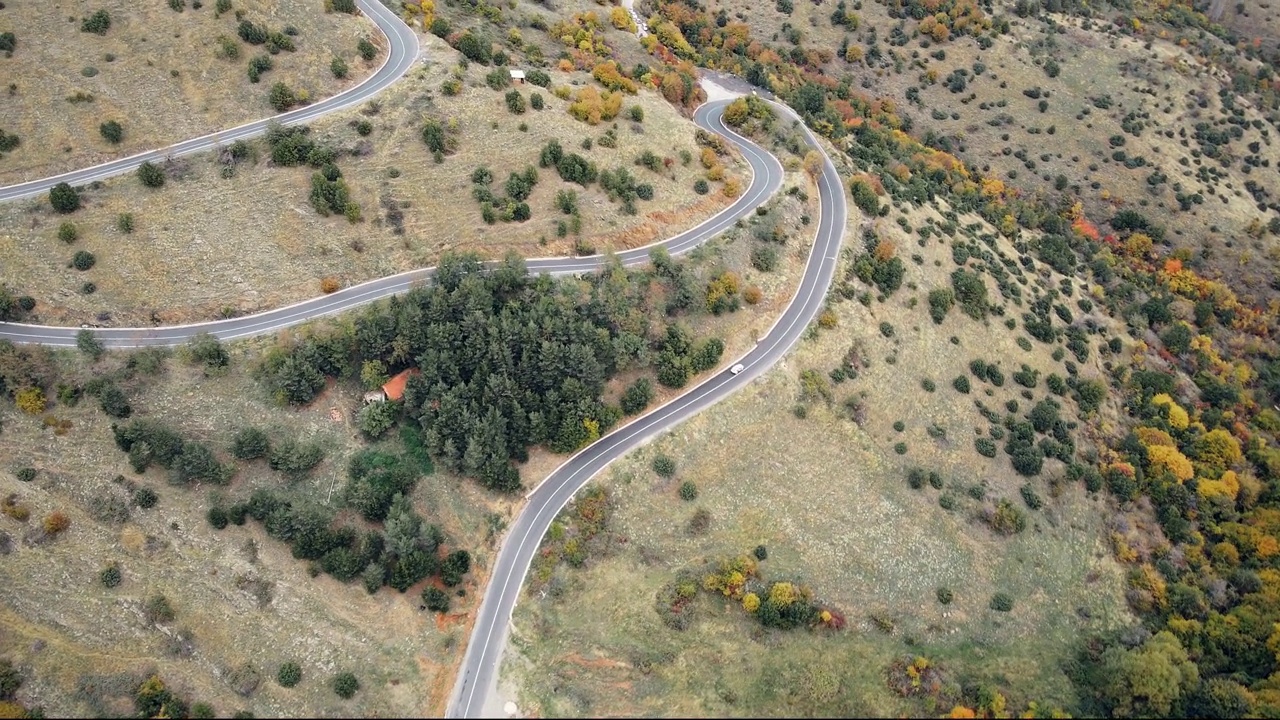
(394, 388)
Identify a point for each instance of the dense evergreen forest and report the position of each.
(506, 361)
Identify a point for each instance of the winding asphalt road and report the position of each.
(478, 676)
(402, 44)
(766, 179)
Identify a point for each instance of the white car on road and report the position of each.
(736, 369)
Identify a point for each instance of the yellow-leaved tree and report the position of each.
(30, 400)
(1178, 418)
(1165, 458)
(1217, 450)
(621, 19)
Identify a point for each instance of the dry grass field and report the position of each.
(69, 631)
(157, 72)
(204, 245)
(828, 497)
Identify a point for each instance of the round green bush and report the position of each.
(151, 175)
(961, 384)
(111, 576)
(900, 448)
(83, 260)
(64, 198)
(67, 232)
(289, 674)
(250, 443)
(1001, 602)
(761, 552)
(112, 132)
(945, 596)
(145, 498)
(345, 685)
(435, 599)
(688, 491)
(701, 187)
(928, 385)
(217, 517)
(664, 465)
(899, 426)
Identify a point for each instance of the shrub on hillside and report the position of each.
(110, 576)
(250, 443)
(295, 459)
(159, 610)
(455, 566)
(345, 685)
(258, 65)
(688, 491)
(205, 349)
(56, 523)
(83, 260)
(289, 674)
(637, 396)
(474, 48)
(515, 102)
(64, 198)
(435, 599)
(197, 464)
(111, 131)
(151, 175)
(664, 465)
(252, 34)
(99, 22)
(145, 498)
(282, 97)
